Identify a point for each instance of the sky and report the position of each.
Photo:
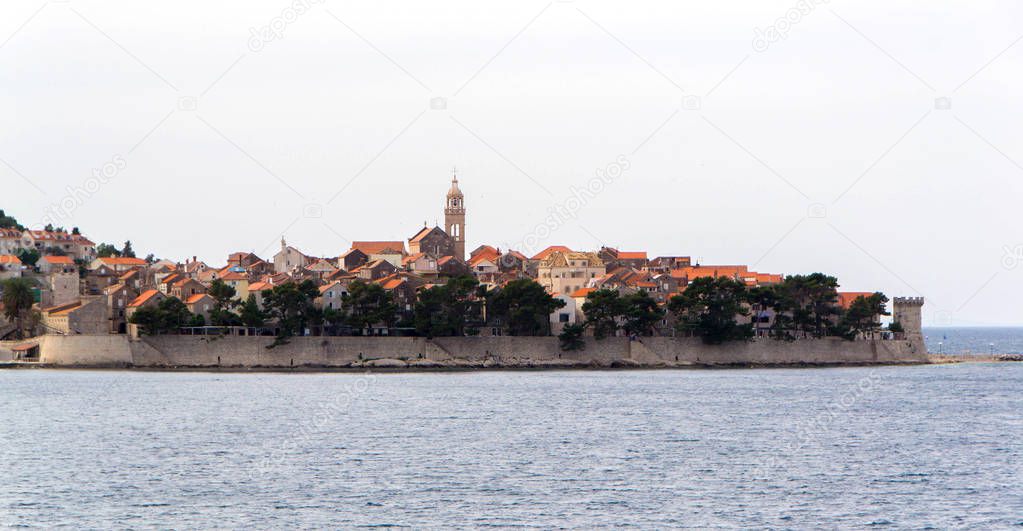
(876, 141)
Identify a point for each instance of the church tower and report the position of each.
(454, 217)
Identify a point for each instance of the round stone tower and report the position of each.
(454, 217)
(907, 312)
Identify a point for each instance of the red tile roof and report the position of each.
(196, 298)
(630, 255)
(121, 260)
(379, 247)
(546, 252)
(846, 298)
(9, 259)
(144, 298)
(64, 260)
(582, 292)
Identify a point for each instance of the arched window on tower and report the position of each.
(455, 230)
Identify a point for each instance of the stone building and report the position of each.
(907, 312)
(432, 241)
(289, 258)
(564, 273)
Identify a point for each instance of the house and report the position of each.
(512, 261)
(331, 296)
(321, 269)
(691, 273)
(564, 316)
(10, 241)
(243, 260)
(579, 298)
(237, 279)
(86, 316)
(200, 304)
(451, 266)
(482, 265)
(61, 288)
(289, 258)
(84, 248)
(421, 263)
(352, 259)
(564, 273)
(56, 264)
(401, 290)
(118, 298)
(433, 241)
(10, 266)
(376, 269)
(99, 278)
(165, 283)
(133, 279)
(186, 288)
(148, 298)
(664, 264)
(41, 240)
(119, 264)
(392, 251)
(256, 290)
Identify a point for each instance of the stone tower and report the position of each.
(454, 217)
(907, 311)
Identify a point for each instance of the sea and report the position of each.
(912, 447)
(976, 340)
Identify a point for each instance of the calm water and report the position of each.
(975, 340)
(908, 447)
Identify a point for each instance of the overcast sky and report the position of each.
(818, 144)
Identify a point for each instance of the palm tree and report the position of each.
(18, 300)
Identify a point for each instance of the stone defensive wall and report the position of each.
(186, 351)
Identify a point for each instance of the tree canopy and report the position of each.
(523, 307)
(369, 304)
(708, 308)
(18, 300)
(168, 315)
(449, 309)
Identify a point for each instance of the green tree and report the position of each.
(603, 309)
(54, 251)
(223, 303)
(641, 314)
(8, 222)
(571, 337)
(367, 305)
(169, 315)
(862, 315)
(896, 327)
(251, 314)
(709, 307)
(18, 300)
(75, 231)
(105, 250)
(128, 252)
(447, 310)
(523, 307)
(811, 301)
(29, 257)
(291, 305)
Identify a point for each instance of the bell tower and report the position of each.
(454, 217)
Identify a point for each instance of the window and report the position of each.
(563, 317)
